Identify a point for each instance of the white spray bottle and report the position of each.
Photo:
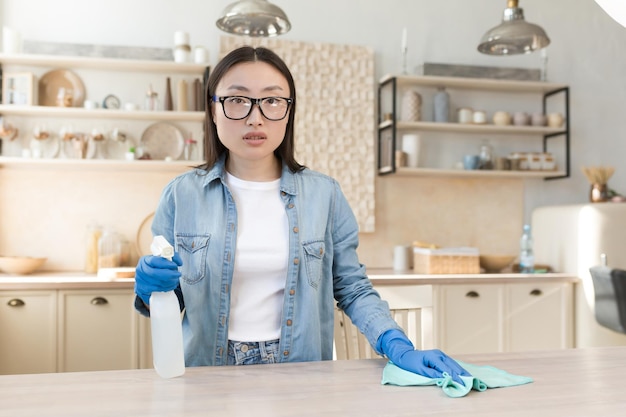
(165, 321)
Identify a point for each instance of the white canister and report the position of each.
(411, 145)
(200, 55)
(479, 117)
(465, 115)
(534, 161)
(11, 41)
(547, 162)
(181, 38)
(402, 258)
(182, 53)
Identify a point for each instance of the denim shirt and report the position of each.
(197, 213)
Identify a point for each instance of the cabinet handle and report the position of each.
(472, 294)
(99, 301)
(16, 302)
(536, 292)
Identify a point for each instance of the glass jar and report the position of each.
(109, 249)
(91, 248)
(486, 157)
(190, 149)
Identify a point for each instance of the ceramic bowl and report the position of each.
(495, 263)
(20, 265)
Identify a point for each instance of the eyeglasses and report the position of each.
(240, 107)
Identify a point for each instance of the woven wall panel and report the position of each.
(335, 121)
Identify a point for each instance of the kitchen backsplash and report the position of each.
(46, 212)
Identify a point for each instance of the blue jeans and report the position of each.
(252, 353)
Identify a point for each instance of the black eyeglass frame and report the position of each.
(257, 101)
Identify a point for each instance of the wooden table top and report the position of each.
(575, 382)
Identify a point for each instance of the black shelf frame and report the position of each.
(388, 150)
(566, 132)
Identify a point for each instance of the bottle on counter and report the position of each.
(91, 256)
(526, 256)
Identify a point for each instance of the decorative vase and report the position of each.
(441, 106)
(168, 104)
(411, 106)
(599, 193)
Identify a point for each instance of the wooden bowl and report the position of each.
(495, 263)
(20, 265)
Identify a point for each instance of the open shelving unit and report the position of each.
(388, 128)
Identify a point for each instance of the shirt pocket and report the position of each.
(193, 252)
(313, 259)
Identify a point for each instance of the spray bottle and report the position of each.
(165, 321)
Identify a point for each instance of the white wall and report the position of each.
(586, 51)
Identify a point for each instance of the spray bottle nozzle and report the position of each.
(161, 247)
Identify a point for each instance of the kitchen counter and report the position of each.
(379, 276)
(61, 281)
(575, 382)
(389, 276)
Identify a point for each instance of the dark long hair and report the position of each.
(213, 147)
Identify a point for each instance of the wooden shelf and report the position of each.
(79, 112)
(429, 172)
(97, 63)
(96, 164)
(472, 128)
(474, 83)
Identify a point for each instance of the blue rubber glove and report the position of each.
(430, 363)
(154, 273)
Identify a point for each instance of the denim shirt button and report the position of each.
(296, 261)
(286, 353)
(290, 205)
(292, 292)
(289, 322)
(296, 230)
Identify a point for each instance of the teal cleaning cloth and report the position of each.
(483, 377)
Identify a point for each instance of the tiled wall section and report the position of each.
(46, 211)
(335, 117)
(482, 213)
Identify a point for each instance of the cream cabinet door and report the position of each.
(28, 339)
(468, 318)
(145, 343)
(539, 316)
(97, 330)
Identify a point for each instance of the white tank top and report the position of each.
(260, 261)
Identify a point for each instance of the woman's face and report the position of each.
(253, 139)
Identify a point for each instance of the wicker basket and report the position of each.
(446, 261)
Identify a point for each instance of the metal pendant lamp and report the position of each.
(258, 18)
(514, 35)
(614, 8)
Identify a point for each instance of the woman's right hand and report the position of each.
(156, 274)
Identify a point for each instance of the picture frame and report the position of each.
(18, 88)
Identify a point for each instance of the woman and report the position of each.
(264, 245)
